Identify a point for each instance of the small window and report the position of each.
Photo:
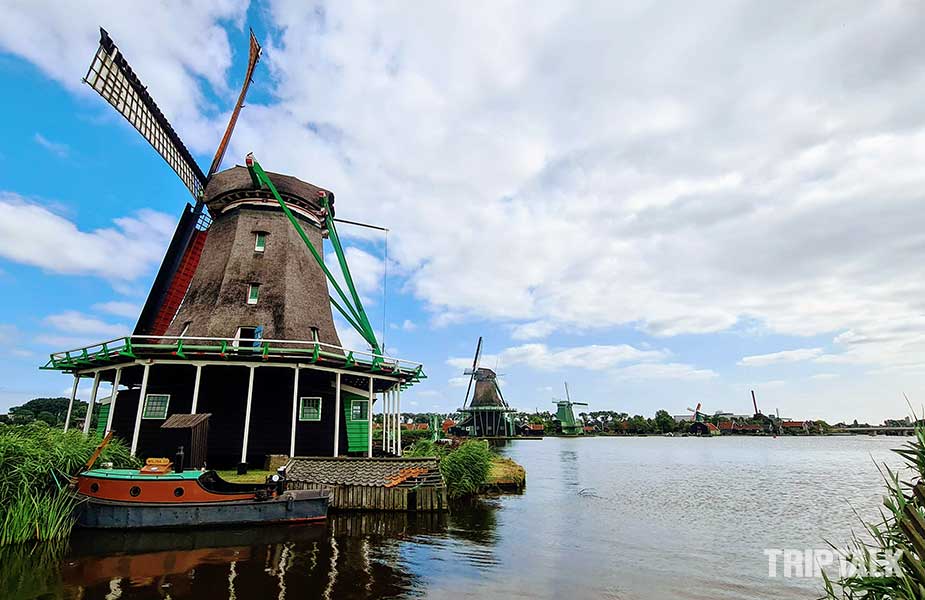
(185, 328)
(155, 406)
(247, 334)
(358, 410)
(314, 334)
(260, 243)
(253, 293)
(309, 408)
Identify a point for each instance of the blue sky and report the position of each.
(661, 208)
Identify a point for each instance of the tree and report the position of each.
(48, 417)
(21, 415)
(664, 422)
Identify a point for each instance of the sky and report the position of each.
(660, 203)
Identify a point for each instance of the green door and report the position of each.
(356, 418)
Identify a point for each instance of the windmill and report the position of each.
(487, 413)
(243, 285)
(565, 415)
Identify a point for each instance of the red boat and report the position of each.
(157, 497)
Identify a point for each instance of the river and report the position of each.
(627, 518)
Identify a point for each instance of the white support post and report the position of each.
(398, 405)
(96, 387)
(196, 390)
(336, 414)
(112, 401)
(247, 414)
(386, 424)
(295, 410)
(70, 405)
(141, 407)
(369, 415)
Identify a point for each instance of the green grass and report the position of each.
(886, 535)
(252, 476)
(37, 461)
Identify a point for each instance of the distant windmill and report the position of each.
(697, 416)
(487, 413)
(567, 423)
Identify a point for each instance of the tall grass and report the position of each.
(466, 468)
(35, 463)
(887, 537)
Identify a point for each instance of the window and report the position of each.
(155, 406)
(253, 292)
(260, 243)
(358, 410)
(247, 334)
(185, 328)
(314, 334)
(309, 408)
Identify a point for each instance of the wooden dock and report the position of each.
(379, 484)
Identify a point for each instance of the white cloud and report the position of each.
(119, 308)
(539, 356)
(58, 149)
(533, 330)
(665, 371)
(74, 322)
(784, 356)
(55, 244)
(408, 325)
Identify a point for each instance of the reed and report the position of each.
(466, 468)
(886, 536)
(36, 462)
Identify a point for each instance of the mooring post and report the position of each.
(369, 415)
(141, 407)
(96, 387)
(70, 405)
(196, 389)
(336, 414)
(242, 467)
(295, 409)
(112, 400)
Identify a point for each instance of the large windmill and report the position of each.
(487, 413)
(238, 323)
(567, 424)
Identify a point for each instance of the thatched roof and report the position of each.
(487, 393)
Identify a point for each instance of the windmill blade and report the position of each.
(254, 56)
(475, 363)
(113, 79)
(567, 396)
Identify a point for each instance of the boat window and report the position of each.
(155, 406)
(309, 408)
(358, 410)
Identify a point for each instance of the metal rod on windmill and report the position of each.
(471, 373)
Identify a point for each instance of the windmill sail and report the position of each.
(253, 57)
(113, 79)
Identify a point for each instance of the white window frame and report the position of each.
(185, 328)
(144, 408)
(302, 408)
(258, 247)
(236, 343)
(353, 403)
(253, 293)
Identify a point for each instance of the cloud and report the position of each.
(784, 356)
(408, 325)
(532, 330)
(539, 356)
(58, 149)
(74, 322)
(665, 371)
(123, 252)
(119, 308)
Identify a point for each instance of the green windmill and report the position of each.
(567, 424)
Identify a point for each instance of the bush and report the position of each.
(37, 462)
(466, 468)
(887, 537)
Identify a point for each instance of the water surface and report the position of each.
(602, 517)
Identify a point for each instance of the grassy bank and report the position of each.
(898, 530)
(470, 467)
(37, 461)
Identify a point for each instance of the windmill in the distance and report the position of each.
(566, 423)
(487, 414)
(238, 323)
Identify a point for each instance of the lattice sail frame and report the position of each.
(114, 80)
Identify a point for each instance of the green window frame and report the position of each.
(253, 293)
(155, 406)
(260, 241)
(310, 408)
(359, 410)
